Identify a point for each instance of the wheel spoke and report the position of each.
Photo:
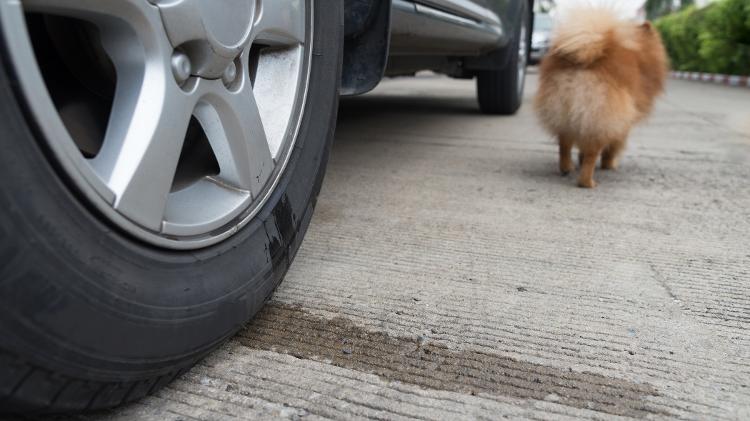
(232, 123)
(280, 22)
(143, 143)
(150, 113)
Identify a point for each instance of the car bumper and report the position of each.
(537, 54)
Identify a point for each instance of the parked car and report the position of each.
(540, 37)
(162, 158)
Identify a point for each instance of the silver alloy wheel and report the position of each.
(241, 70)
(523, 54)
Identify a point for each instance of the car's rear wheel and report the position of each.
(501, 91)
(160, 165)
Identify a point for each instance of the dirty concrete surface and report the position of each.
(451, 273)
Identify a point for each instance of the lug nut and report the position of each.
(230, 74)
(181, 67)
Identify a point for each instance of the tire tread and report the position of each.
(34, 378)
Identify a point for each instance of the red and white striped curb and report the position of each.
(741, 81)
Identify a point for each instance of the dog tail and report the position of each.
(585, 34)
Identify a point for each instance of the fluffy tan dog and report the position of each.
(599, 79)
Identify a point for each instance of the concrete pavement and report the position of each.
(450, 272)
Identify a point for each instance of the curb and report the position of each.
(739, 81)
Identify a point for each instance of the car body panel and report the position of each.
(541, 37)
(418, 29)
(479, 10)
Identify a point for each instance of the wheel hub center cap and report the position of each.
(211, 33)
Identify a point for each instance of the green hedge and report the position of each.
(715, 39)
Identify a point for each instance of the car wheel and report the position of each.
(501, 91)
(160, 165)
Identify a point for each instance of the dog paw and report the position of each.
(565, 170)
(567, 167)
(587, 184)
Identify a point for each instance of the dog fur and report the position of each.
(599, 79)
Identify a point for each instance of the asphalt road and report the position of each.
(450, 273)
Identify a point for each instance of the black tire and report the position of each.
(501, 91)
(91, 318)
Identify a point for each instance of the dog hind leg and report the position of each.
(566, 160)
(588, 157)
(611, 155)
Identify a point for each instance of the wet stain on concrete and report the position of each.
(419, 361)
